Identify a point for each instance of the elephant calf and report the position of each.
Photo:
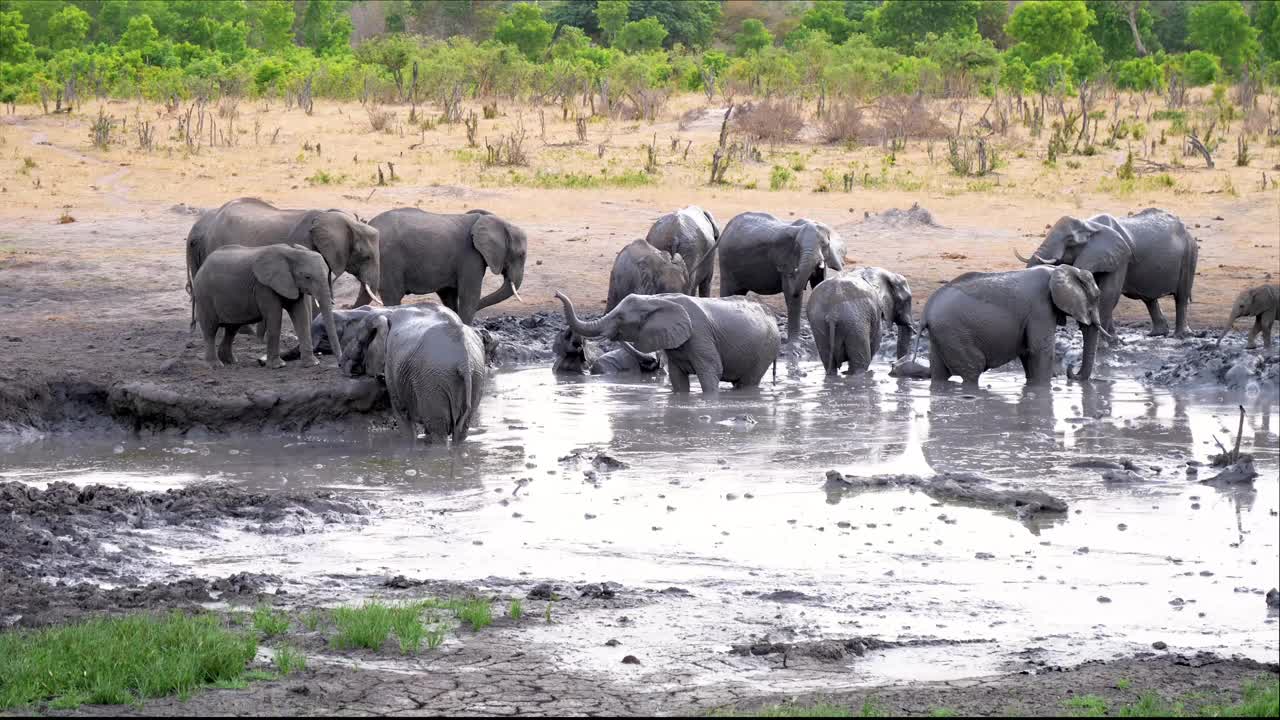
(981, 321)
(691, 234)
(575, 355)
(239, 285)
(847, 313)
(433, 363)
(1262, 302)
(717, 339)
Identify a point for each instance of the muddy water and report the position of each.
(725, 499)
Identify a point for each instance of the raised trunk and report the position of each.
(585, 328)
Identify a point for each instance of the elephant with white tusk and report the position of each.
(237, 286)
(981, 321)
(1144, 257)
(1263, 303)
(425, 252)
(848, 312)
(717, 339)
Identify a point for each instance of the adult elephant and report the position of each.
(1263, 304)
(642, 269)
(1143, 257)
(447, 255)
(981, 321)
(731, 340)
(762, 254)
(692, 234)
(848, 312)
(434, 366)
(346, 244)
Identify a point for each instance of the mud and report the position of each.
(1200, 363)
(964, 488)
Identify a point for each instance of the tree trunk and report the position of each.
(1133, 6)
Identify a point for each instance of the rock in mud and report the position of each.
(1229, 366)
(544, 591)
(400, 582)
(1239, 472)
(1097, 464)
(599, 591)
(1273, 598)
(957, 487)
(787, 596)
(630, 660)
(1121, 477)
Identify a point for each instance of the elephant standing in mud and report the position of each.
(641, 269)
(434, 366)
(346, 320)
(847, 313)
(238, 286)
(425, 252)
(762, 254)
(731, 340)
(1144, 257)
(346, 244)
(690, 233)
(981, 321)
(576, 355)
(1263, 303)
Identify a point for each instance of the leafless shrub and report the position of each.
(379, 119)
(689, 117)
(772, 121)
(508, 150)
(1255, 121)
(229, 108)
(146, 134)
(473, 124)
(101, 130)
(305, 101)
(843, 123)
(908, 117)
(581, 126)
(490, 111)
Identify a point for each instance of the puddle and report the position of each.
(725, 499)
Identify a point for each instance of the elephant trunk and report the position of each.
(330, 326)
(905, 333)
(1231, 321)
(804, 270)
(585, 328)
(1090, 350)
(511, 279)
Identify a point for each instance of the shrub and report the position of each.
(843, 124)
(780, 178)
(379, 119)
(773, 121)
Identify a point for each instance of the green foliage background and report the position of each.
(552, 50)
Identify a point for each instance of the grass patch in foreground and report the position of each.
(793, 710)
(120, 660)
(582, 181)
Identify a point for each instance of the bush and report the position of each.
(843, 124)
(780, 178)
(773, 121)
(379, 119)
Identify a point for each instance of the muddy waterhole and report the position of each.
(725, 499)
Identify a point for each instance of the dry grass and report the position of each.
(771, 121)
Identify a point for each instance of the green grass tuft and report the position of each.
(516, 609)
(289, 660)
(366, 626)
(120, 660)
(311, 619)
(268, 622)
(1087, 706)
(791, 710)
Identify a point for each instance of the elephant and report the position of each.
(847, 312)
(692, 234)
(1144, 257)
(760, 253)
(981, 321)
(434, 365)
(346, 244)
(345, 320)
(1263, 302)
(717, 339)
(447, 254)
(641, 269)
(576, 355)
(239, 285)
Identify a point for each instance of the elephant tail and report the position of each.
(1187, 275)
(828, 362)
(462, 418)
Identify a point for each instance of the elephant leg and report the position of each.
(1266, 320)
(939, 374)
(272, 319)
(793, 318)
(1159, 323)
(210, 332)
(1180, 306)
(679, 379)
(710, 382)
(1253, 334)
(1037, 365)
(300, 314)
(225, 356)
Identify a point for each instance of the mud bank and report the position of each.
(92, 542)
(958, 487)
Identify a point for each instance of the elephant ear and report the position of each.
(375, 357)
(327, 232)
(1074, 293)
(490, 237)
(272, 269)
(832, 246)
(715, 229)
(900, 291)
(665, 326)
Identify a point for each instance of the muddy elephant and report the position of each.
(346, 244)
(239, 285)
(717, 339)
(425, 252)
(1143, 257)
(641, 269)
(434, 366)
(848, 312)
(1263, 303)
(576, 355)
(690, 233)
(981, 321)
(762, 254)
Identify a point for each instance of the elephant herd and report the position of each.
(248, 262)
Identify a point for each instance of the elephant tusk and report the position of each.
(516, 294)
(1019, 256)
(374, 295)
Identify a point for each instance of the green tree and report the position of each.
(991, 18)
(829, 17)
(901, 24)
(1268, 23)
(753, 36)
(1139, 75)
(1015, 76)
(688, 22)
(69, 28)
(271, 24)
(641, 36)
(1197, 68)
(1087, 62)
(964, 58)
(1046, 27)
(1223, 29)
(14, 47)
(393, 52)
(140, 33)
(1115, 28)
(611, 15)
(1051, 75)
(230, 39)
(570, 43)
(36, 15)
(1171, 17)
(324, 29)
(524, 27)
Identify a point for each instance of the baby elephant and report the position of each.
(575, 355)
(433, 363)
(238, 286)
(848, 312)
(1263, 302)
(348, 319)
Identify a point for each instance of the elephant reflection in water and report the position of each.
(861, 420)
(984, 433)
